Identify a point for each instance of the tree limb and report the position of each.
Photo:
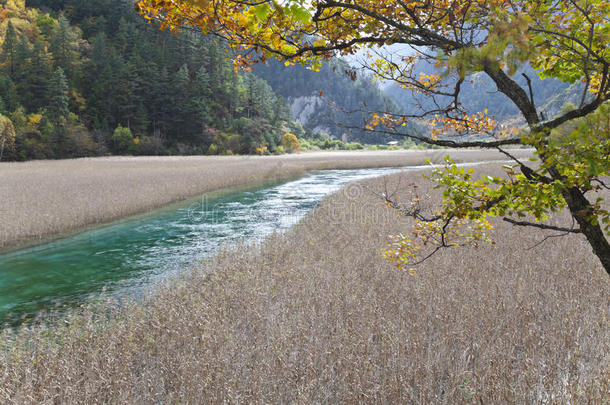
(444, 142)
(542, 226)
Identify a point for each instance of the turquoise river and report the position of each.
(130, 256)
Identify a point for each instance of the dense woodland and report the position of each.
(87, 78)
(93, 79)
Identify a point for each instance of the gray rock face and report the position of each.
(304, 107)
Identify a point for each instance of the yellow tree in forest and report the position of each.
(7, 134)
(563, 39)
(290, 142)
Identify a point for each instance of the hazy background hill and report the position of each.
(478, 92)
(331, 99)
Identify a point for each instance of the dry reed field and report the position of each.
(46, 198)
(317, 316)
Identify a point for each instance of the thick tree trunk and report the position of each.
(581, 209)
(579, 206)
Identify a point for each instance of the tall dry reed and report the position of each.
(39, 199)
(317, 316)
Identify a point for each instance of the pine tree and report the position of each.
(62, 45)
(57, 109)
(123, 35)
(57, 112)
(130, 99)
(96, 75)
(7, 134)
(8, 93)
(161, 101)
(112, 70)
(36, 74)
(223, 86)
(9, 50)
(181, 116)
(249, 99)
(202, 101)
(281, 111)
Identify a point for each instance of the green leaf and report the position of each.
(300, 14)
(261, 11)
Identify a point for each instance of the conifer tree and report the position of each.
(58, 110)
(201, 100)
(7, 134)
(9, 50)
(36, 75)
(180, 119)
(62, 45)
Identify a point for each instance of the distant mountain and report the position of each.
(329, 100)
(478, 93)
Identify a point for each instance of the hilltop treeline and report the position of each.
(82, 78)
(86, 78)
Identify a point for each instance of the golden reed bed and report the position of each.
(317, 316)
(39, 199)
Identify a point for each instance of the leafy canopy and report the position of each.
(552, 35)
(561, 39)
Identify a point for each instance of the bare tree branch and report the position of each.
(448, 143)
(542, 226)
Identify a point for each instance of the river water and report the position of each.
(133, 255)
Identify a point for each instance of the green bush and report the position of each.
(233, 144)
(213, 149)
(122, 140)
(80, 143)
(353, 146)
(151, 146)
(408, 144)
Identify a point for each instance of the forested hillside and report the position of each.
(85, 78)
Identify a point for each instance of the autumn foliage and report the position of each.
(7, 134)
(290, 142)
(562, 39)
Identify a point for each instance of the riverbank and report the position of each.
(316, 315)
(44, 199)
(131, 255)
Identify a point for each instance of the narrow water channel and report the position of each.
(132, 255)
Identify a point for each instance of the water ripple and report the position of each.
(129, 256)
